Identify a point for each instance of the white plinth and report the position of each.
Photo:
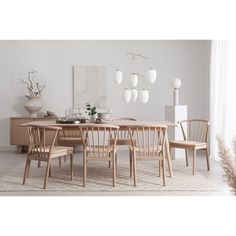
(174, 114)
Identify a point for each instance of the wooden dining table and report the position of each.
(123, 124)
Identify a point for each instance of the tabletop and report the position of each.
(121, 124)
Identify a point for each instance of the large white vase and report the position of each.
(33, 105)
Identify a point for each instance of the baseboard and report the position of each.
(8, 148)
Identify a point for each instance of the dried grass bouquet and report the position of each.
(228, 163)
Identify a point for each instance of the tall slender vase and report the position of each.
(33, 105)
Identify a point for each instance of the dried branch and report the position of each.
(227, 163)
(40, 88)
(28, 87)
(30, 84)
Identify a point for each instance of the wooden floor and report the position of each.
(10, 160)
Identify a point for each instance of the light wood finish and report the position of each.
(148, 143)
(18, 134)
(195, 137)
(123, 138)
(96, 146)
(44, 150)
(69, 137)
(124, 125)
(122, 118)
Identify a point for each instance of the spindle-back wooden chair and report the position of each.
(148, 143)
(41, 151)
(195, 137)
(97, 146)
(69, 137)
(123, 137)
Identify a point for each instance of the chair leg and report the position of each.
(134, 169)
(116, 158)
(208, 160)
(50, 171)
(109, 162)
(163, 173)
(71, 166)
(194, 160)
(47, 173)
(39, 164)
(85, 169)
(114, 169)
(27, 176)
(64, 158)
(160, 168)
(186, 156)
(170, 150)
(26, 170)
(59, 162)
(168, 156)
(130, 163)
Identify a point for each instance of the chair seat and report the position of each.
(142, 150)
(188, 144)
(101, 149)
(58, 151)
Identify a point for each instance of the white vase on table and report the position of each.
(33, 105)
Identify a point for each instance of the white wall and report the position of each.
(188, 60)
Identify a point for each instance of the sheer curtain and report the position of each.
(222, 93)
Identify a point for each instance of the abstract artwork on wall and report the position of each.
(89, 85)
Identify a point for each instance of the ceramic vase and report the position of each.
(33, 105)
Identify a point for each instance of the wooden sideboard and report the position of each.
(18, 134)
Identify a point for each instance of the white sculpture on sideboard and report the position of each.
(176, 84)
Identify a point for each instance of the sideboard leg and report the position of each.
(20, 148)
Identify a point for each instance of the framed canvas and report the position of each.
(89, 85)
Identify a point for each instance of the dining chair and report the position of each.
(69, 137)
(123, 138)
(148, 144)
(195, 137)
(44, 151)
(96, 146)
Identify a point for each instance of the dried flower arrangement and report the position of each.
(34, 88)
(228, 163)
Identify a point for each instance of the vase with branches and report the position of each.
(33, 105)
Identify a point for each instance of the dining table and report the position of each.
(123, 124)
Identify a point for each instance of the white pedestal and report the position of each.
(174, 114)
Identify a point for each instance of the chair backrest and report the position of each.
(96, 138)
(195, 130)
(41, 139)
(148, 140)
(123, 134)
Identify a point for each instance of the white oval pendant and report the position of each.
(118, 76)
(127, 95)
(134, 94)
(152, 75)
(134, 79)
(144, 96)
